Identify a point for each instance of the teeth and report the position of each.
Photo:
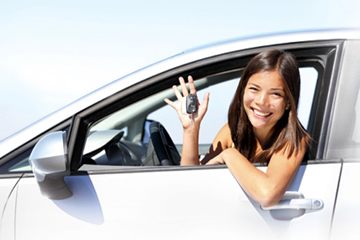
(261, 113)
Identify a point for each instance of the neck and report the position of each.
(263, 136)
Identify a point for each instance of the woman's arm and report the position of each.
(265, 188)
(190, 152)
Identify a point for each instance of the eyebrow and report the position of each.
(280, 89)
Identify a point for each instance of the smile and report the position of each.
(261, 114)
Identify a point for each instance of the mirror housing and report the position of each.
(50, 164)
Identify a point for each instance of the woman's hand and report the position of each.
(202, 108)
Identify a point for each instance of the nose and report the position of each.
(262, 99)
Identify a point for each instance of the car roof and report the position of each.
(32, 131)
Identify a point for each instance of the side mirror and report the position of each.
(50, 164)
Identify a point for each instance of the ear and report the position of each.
(287, 106)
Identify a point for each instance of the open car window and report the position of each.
(122, 138)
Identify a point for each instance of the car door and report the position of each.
(11, 173)
(344, 142)
(7, 207)
(176, 204)
(173, 202)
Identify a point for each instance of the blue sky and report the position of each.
(53, 52)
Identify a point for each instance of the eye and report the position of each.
(276, 94)
(253, 88)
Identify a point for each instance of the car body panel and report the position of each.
(344, 132)
(347, 212)
(203, 203)
(8, 195)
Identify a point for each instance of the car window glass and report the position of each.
(344, 133)
(22, 166)
(308, 76)
(18, 164)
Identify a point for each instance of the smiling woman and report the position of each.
(271, 72)
(262, 127)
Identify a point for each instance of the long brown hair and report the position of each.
(288, 131)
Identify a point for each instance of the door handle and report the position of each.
(296, 201)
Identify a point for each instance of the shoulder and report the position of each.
(221, 142)
(224, 136)
(291, 155)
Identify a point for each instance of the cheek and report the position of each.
(279, 105)
(247, 99)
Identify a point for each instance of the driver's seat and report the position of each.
(161, 149)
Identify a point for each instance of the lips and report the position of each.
(260, 113)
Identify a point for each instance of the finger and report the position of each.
(171, 103)
(177, 93)
(203, 106)
(205, 101)
(191, 85)
(183, 86)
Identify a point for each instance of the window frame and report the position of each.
(325, 53)
(328, 56)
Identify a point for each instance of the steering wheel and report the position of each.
(163, 145)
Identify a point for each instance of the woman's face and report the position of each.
(264, 100)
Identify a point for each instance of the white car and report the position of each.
(104, 167)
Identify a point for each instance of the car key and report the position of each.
(189, 105)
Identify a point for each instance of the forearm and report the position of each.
(261, 187)
(190, 150)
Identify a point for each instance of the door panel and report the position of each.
(347, 212)
(180, 204)
(8, 193)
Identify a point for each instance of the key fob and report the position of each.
(189, 104)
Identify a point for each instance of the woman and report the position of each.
(262, 127)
